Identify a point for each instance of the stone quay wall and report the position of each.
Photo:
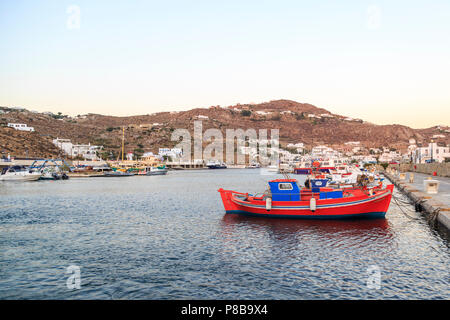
(441, 169)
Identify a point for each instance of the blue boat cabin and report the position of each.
(288, 190)
(284, 190)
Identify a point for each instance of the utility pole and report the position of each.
(431, 144)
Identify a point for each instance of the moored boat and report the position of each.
(285, 199)
(117, 173)
(18, 173)
(253, 165)
(153, 171)
(157, 171)
(50, 173)
(51, 169)
(215, 164)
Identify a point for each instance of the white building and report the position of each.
(432, 153)
(369, 159)
(86, 151)
(390, 156)
(170, 152)
(263, 113)
(21, 127)
(297, 146)
(324, 152)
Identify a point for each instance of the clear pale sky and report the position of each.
(382, 61)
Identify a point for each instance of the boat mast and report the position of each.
(123, 140)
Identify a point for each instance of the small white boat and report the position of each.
(216, 164)
(53, 173)
(253, 165)
(156, 171)
(19, 173)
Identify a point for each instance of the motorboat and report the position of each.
(215, 164)
(154, 171)
(117, 173)
(52, 173)
(19, 173)
(51, 169)
(253, 165)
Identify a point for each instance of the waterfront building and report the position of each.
(389, 156)
(432, 153)
(85, 151)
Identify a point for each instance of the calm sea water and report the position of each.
(167, 237)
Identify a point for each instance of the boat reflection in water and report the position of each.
(329, 228)
(314, 240)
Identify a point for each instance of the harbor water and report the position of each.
(167, 237)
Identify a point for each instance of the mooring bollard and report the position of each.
(431, 186)
(411, 178)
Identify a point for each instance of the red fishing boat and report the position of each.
(285, 199)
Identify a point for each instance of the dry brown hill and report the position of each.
(298, 122)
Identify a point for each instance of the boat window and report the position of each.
(285, 186)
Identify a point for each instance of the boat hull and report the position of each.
(116, 174)
(30, 177)
(366, 215)
(156, 173)
(308, 171)
(358, 207)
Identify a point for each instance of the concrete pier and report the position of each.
(430, 204)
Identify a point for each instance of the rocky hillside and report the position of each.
(298, 122)
(25, 144)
